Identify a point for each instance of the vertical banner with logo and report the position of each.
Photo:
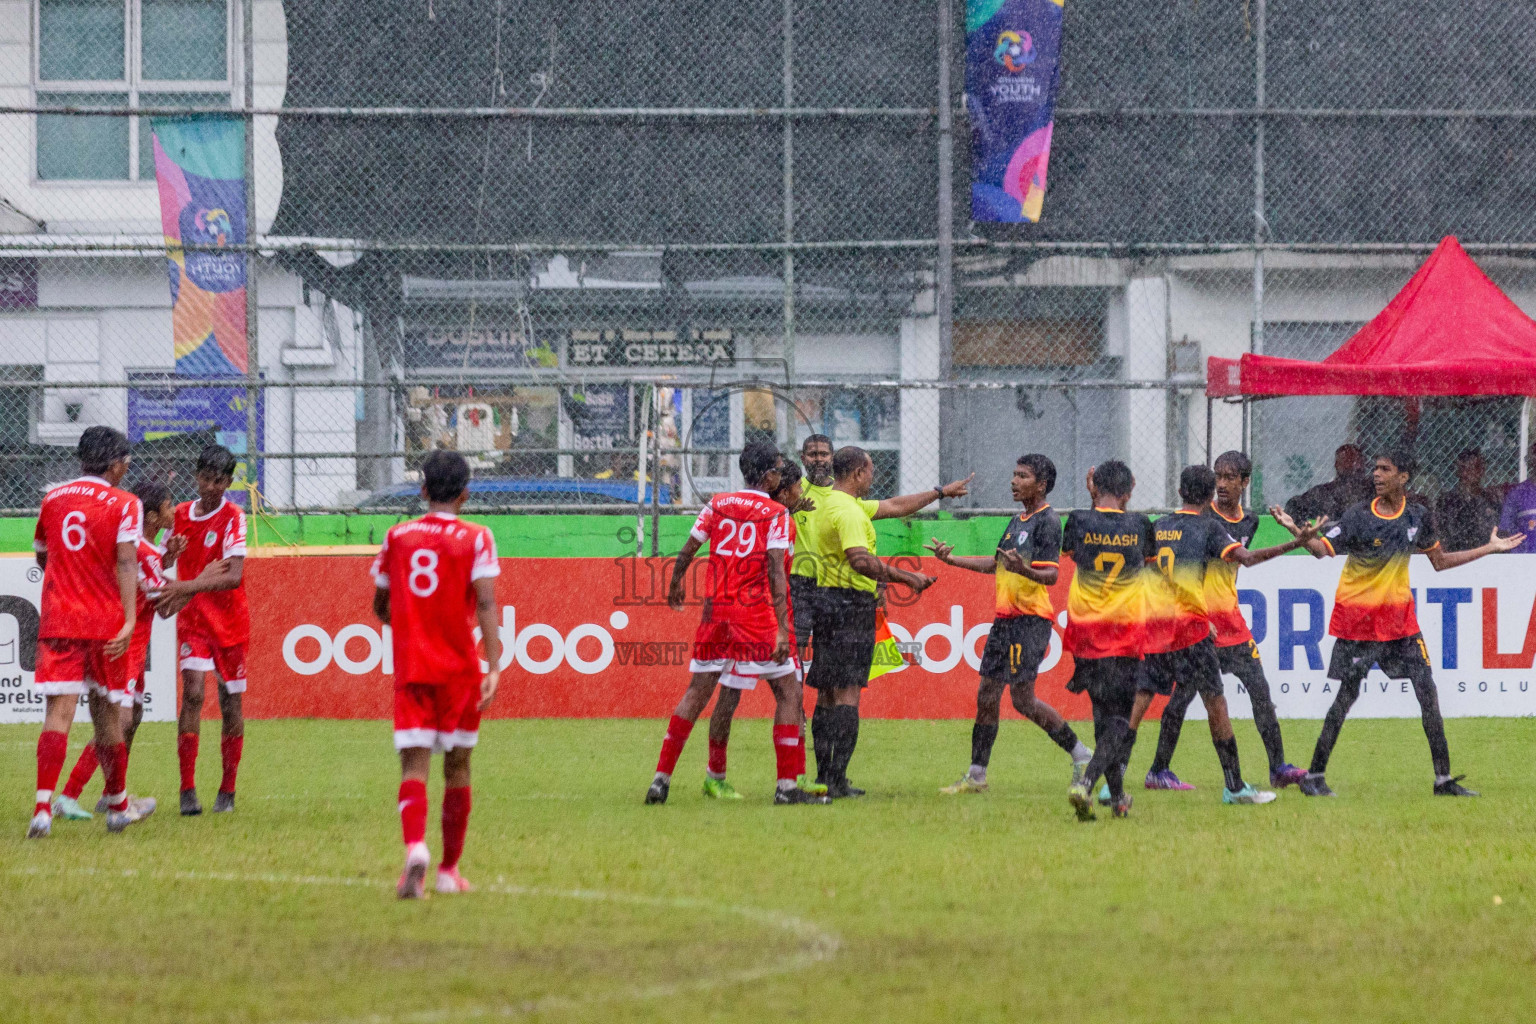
(1012, 63)
(200, 172)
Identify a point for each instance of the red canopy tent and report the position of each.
(1450, 331)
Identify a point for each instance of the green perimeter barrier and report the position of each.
(600, 536)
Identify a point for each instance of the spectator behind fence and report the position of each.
(1351, 483)
(1519, 514)
(1466, 514)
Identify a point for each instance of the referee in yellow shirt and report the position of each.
(848, 578)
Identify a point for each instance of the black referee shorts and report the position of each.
(1195, 666)
(845, 638)
(802, 596)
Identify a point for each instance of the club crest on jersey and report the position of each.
(210, 539)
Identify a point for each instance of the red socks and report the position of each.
(413, 811)
(800, 751)
(455, 823)
(114, 765)
(230, 747)
(787, 750)
(672, 744)
(52, 747)
(84, 768)
(186, 754)
(716, 758)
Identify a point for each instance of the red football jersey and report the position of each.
(741, 527)
(79, 528)
(151, 580)
(222, 616)
(429, 565)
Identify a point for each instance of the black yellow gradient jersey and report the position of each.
(1037, 539)
(1374, 601)
(1188, 543)
(1221, 604)
(1106, 614)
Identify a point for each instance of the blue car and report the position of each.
(533, 491)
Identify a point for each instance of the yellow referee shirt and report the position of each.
(841, 522)
(805, 527)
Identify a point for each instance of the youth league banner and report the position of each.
(1012, 62)
(594, 638)
(200, 172)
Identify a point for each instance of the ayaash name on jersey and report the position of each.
(1111, 539)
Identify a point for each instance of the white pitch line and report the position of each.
(819, 944)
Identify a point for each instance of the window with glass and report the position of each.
(867, 417)
(132, 54)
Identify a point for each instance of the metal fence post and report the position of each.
(253, 388)
(789, 209)
(944, 280)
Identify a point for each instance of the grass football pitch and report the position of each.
(1382, 905)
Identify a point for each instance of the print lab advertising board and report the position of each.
(594, 638)
(21, 589)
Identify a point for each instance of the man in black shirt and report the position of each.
(1465, 515)
(1351, 483)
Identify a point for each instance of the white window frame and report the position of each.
(132, 85)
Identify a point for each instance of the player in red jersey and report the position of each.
(87, 542)
(435, 578)
(159, 514)
(790, 495)
(214, 622)
(744, 634)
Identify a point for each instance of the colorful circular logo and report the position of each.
(1015, 51)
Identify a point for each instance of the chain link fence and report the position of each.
(597, 248)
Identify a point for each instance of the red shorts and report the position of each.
(741, 652)
(437, 717)
(81, 666)
(138, 653)
(202, 654)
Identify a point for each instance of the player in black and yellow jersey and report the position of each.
(1373, 614)
(1106, 624)
(1236, 652)
(1180, 650)
(1025, 565)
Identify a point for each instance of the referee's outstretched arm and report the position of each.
(906, 504)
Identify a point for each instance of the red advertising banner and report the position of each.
(589, 638)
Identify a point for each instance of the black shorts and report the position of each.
(1194, 666)
(1015, 648)
(802, 597)
(1104, 678)
(1399, 659)
(1240, 660)
(845, 638)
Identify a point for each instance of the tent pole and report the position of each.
(1209, 406)
(1525, 437)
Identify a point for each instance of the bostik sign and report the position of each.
(594, 638)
